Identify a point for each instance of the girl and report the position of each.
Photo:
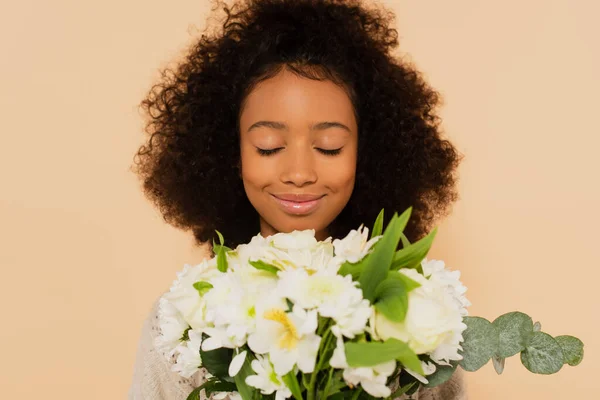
(292, 115)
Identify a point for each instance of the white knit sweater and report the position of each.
(154, 380)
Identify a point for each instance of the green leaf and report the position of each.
(211, 386)
(402, 389)
(498, 364)
(378, 225)
(202, 287)
(222, 260)
(354, 269)
(480, 343)
(247, 392)
(442, 374)
(379, 260)
(391, 298)
(217, 247)
(263, 266)
(514, 329)
(216, 361)
(221, 240)
(368, 354)
(405, 241)
(572, 349)
(543, 354)
(412, 255)
(292, 383)
(409, 283)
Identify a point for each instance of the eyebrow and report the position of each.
(320, 126)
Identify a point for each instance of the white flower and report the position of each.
(246, 251)
(288, 337)
(356, 245)
(372, 379)
(231, 306)
(334, 296)
(295, 240)
(266, 379)
(185, 298)
(188, 360)
(433, 323)
(172, 326)
(236, 363)
(311, 258)
(435, 270)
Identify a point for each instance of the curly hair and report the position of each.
(189, 165)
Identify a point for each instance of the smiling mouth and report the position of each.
(298, 207)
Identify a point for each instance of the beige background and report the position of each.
(83, 254)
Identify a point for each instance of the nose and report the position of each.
(298, 168)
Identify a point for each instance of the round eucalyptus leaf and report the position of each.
(572, 349)
(543, 354)
(480, 342)
(514, 329)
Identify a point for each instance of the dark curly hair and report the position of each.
(190, 163)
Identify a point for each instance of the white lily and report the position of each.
(266, 379)
(288, 337)
(188, 359)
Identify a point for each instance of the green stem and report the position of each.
(357, 393)
(328, 384)
(313, 377)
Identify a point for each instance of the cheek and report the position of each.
(254, 172)
(340, 177)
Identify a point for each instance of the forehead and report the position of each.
(297, 99)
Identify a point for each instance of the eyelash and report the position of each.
(268, 152)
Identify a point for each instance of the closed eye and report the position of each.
(268, 152)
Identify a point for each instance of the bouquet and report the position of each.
(353, 318)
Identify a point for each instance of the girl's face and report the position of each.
(298, 144)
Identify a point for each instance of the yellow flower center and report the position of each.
(288, 335)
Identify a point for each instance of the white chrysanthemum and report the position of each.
(185, 298)
(172, 326)
(356, 245)
(288, 337)
(433, 324)
(188, 359)
(295, 240)
(435, 270)
(298, 249)
(266, 379)
(334, 296)
(372, 379)
(313, 259)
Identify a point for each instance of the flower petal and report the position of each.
(236, 363)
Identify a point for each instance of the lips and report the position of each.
(298, 204)
(298, 197)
